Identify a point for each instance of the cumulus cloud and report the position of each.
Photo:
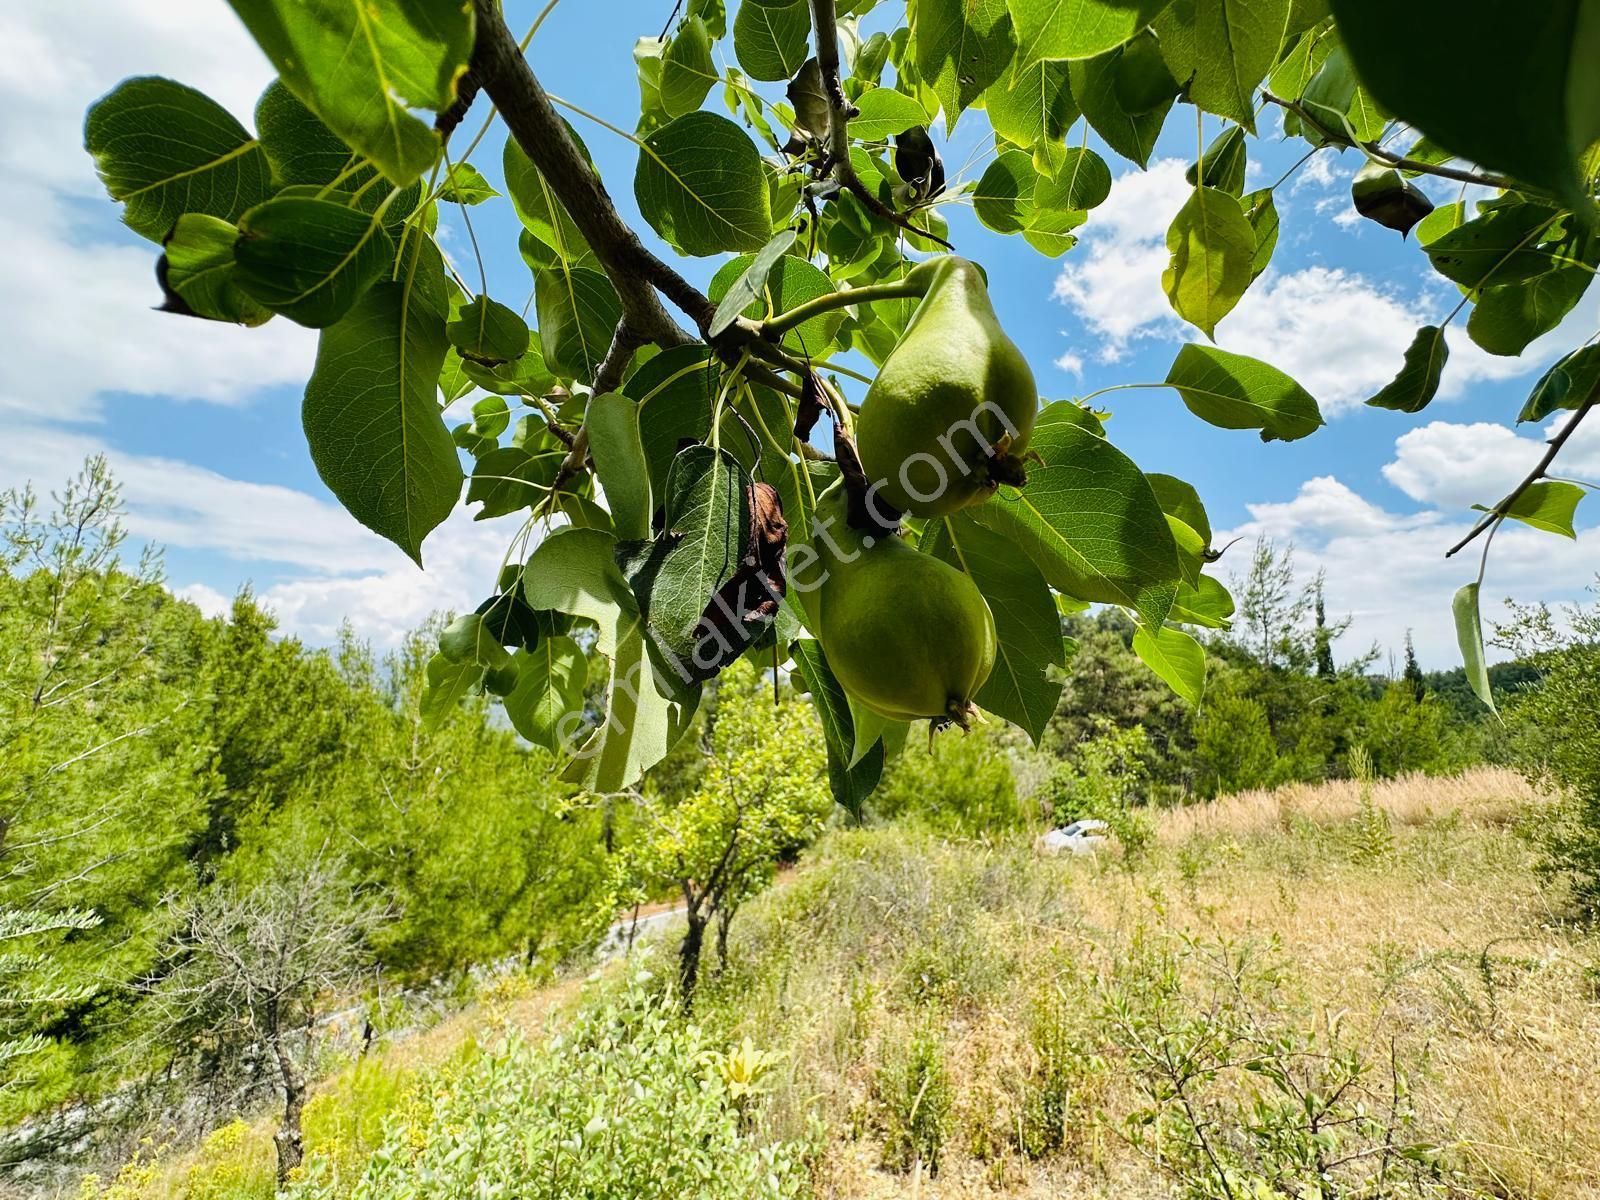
(1337, 332)
(1388, 570)
(1458, 465)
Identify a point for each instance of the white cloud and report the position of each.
(1071, 363)
(1455, 466)
(1317, 173)
(1337, 332)
(207, 599)
(1388, 569)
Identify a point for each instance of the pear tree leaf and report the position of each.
(1213, 252)
(1057, 29)
(1507, 317)
(1234, 391)
(1223, 48)
(164, 149)
(701, 186)
(1418, 381)
(1205, 603)
(371, 411)
(707, 508)
(1176, 657)
(360, 68)
(1225, 162)
(851, 784)
(1548, 506)
(613, 424)
(488, 333)
(770, 40)
(1081, 181)
(1088, 518)
(199, 276)
(1098, 85)
(550, 682)
(789, 281)
(506, 479)
(687, 72)
(1543, 112)
(447, 684)
(1499, 247)
(1179, 499)
(1469, 636)
(574, 571)
(747, 288)
(1003, 199)
(1020, 688)
(960, 48)
(1567, 384)
(548, 226)
(578, 313)
(465, 184)
(1262, 213)
(883, 112)
(1031, 106)
(467, 639)
(310, 259)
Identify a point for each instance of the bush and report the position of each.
(628, 1103)
(914, 1091)
(961, 785)
(1103, 780)
(1233, 742)
(1555, 735)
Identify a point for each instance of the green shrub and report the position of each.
(1104, 779)
(961, 784)
(628, 1103)
(1233, 742)
(914, 1091)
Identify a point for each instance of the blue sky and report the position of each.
(202, 422)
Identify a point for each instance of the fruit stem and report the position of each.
(898, 289)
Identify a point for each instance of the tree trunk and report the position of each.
(288, 1140)
(724, 919)
(689, 956)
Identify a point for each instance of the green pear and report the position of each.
(949, 415)
(905, 633)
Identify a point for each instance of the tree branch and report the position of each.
(1400, 162)
(1499, 511)
(824, 21)
(504, 75)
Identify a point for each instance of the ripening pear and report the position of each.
(906, 633)
(949, 415)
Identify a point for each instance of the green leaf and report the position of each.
(1082, 181)
(1032, 106)
(467, 639)
(1418, 381)
(1262, 214)
(164, 149)
(1057, 29)
(574, 571)
(1233, 391)
(541, 214)
(1501, 246)
(1548, 506)
(1506, 318)
(1567, 384)
(960, 48)
(1143, 81)
(1469, 636)
(687, 71)
(578, 313)
(851, 784)
(309, 259)
(707, 507)
(748, 287)
(1225, 162)
(613, 424)
(1088, 518)
(770, 40)
(789, 282)
(883, 113)
(491, 416)
(465, 184)
(1003, 199)
(359, 67)
(1224, 48)
(1213, 252)
(198, 273)
(1027, 627)
(1179, 499)
(1176, 657)
(550, 682)
(371, 411)
(506, 479)
(1097, 87)
(1542, 111)
(701, 186)
(1206, 603)
(489, 333)
(674, 390)
(1048, 230)
(448, 684)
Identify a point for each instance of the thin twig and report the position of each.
(1499, 511)
(1399, 161)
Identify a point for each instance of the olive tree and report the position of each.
(650, 429)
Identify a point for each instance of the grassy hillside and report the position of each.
(1371, 988)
